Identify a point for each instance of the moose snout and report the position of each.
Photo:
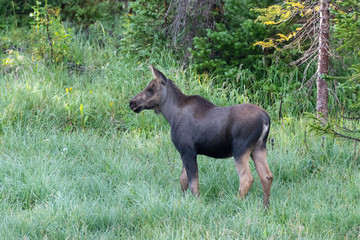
(135, 106)
(132, 105)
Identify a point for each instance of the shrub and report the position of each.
(143, 28)
(231, 43)
(49, 34)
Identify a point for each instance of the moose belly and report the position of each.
(215, 150)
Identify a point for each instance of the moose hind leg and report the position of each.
(266, 177)
(184, 182)
(245, 177)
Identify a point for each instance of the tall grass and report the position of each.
(76, 163)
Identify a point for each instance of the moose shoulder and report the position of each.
(200, 127)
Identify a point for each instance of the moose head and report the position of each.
(153, 95)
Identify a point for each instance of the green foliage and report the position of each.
(87, 12)
(231, 43)
(83, 12)
(337, 126)
(345, 123)
(346, 25)
(230, 52)
(15, 12)
(51, 39)
(143, 28)
(346, 30)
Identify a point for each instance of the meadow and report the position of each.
(76, 163)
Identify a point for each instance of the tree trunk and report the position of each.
(323, 62)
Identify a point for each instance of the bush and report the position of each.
(143, 28)
(51, 39)
(89, 11)
(231, 43)
(84, 12)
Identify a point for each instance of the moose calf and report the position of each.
(200, 127)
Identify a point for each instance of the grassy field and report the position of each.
(76, 163)
(114, 185)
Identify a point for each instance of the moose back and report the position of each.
(200, 127)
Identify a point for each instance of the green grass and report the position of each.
(106, 173)
(117, 184)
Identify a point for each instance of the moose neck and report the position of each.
(171, 103)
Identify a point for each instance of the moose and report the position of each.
(200, 127)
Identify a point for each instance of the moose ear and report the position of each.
(158, 75)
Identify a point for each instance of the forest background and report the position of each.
(76, 162)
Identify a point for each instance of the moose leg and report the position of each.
(184, 183)
(245, 177)
(266, 177)
(191, 169)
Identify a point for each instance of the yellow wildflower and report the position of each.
(81, 109)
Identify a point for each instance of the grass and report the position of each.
(61, 185)
(102, 172)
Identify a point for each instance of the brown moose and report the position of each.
(200, 127)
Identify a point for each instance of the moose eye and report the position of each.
(150, 92)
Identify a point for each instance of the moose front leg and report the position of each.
(190, 175)
(184, 183)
